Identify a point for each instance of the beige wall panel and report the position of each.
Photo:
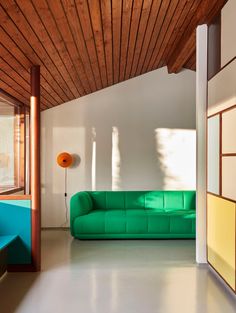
(222, 89)
(228, 31)
(229, 131)
(229, 177)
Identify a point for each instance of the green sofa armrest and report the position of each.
(80, 204)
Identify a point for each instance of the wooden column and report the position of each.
(35, 166)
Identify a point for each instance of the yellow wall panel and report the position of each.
(221, 237)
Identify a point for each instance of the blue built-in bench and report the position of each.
(5, 242)
(15, 233)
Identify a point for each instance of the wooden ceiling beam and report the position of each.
(207, 10)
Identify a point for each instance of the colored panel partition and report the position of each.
(229, 131)
(15, 220)
(213, 154)
(222, 89)
(221, 237)
(228, 177)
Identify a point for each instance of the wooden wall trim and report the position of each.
(15, 197)
(222, 111)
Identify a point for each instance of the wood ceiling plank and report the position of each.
(61, 21)
(11, 82)
(8, 89)
(22, 65)
(12, 75)
(96, 21)
(21, 75)
(116, 33)
(203, 13)
(125, 33)
(156, 32)
(135, 19)
(186, 52)
(145, 14)
(14, 85)
(74, 24)
(156, 6)
(165, 36)
(51, 53)
(107, 31)
(50, 25)
(182, 25)
(190, 61)
(85, 21)
(23, 44)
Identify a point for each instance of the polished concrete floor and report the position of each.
(153, 276)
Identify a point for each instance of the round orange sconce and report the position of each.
(64, 159)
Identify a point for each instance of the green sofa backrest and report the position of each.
(174, 200)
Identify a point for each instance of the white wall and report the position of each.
(228, 31)
(143, 131)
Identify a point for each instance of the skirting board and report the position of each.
(55, 228)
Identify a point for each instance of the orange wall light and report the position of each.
(64, 159)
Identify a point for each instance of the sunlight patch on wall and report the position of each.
(93, 170)
(176, 152)
(116, 160)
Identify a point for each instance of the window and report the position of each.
(12, 148)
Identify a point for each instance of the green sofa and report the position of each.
(133, 214)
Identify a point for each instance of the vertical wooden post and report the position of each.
(35, 165)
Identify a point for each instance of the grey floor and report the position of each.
(155, 276)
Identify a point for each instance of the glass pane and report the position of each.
(10, 147)
(7, 118)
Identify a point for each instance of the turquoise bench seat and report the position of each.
(6, 241)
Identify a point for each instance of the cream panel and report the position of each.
(222, 89)
(213, 157)
(229, 177)
(229, 131)
(221, 237)
(228, 31)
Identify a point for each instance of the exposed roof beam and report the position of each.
(186, 45)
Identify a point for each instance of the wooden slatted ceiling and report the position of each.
(86, 45)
